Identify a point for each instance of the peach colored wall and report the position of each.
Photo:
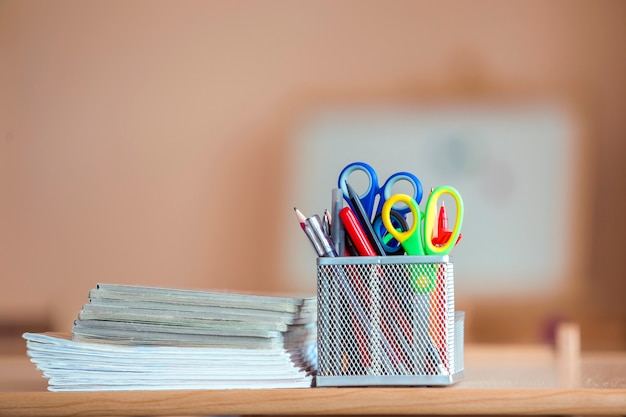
(134, 134)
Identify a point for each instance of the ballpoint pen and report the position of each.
(326, 221)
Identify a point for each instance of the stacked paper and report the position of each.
(145, 338)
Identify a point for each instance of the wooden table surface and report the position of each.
(498, 380)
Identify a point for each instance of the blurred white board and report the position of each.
(513, 165)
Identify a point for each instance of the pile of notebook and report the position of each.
(147, 338)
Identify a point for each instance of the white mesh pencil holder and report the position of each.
(388, 321)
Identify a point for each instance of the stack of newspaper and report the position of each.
(147, 338)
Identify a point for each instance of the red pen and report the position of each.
(356, 233)
(443, 233)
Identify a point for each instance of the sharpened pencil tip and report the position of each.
(301, 217)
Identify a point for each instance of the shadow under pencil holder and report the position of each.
(388, 321)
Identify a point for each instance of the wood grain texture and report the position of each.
(338, 401)
(499, 380)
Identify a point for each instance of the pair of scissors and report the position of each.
(375, 196)
(418, 239)
(368, 198)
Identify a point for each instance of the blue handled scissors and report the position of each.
(368, 199)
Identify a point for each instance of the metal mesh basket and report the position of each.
(388, 321)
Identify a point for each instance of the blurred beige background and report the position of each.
(146, 142)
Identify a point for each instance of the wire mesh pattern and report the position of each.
(386, 321)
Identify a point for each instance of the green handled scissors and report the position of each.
(418, 240)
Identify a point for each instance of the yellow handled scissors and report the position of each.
(418, 240)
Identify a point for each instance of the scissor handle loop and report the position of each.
(411, 239)
(387, 190)
(391, 246)
(369, 197)
(430, 217)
